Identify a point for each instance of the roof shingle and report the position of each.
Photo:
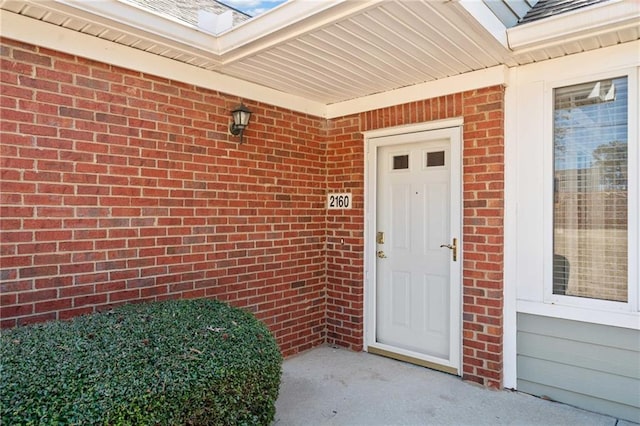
(547, 8)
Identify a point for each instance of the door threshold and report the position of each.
(413, 360)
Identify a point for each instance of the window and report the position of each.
(435, 159)
(400, 162)
(590, 206)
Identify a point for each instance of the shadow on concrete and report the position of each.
(328, 386)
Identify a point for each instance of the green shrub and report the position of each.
(168, 363)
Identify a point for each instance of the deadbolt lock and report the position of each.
(381, 254)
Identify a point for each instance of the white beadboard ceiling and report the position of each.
(332, 51)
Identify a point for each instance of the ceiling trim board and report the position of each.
(460, 83)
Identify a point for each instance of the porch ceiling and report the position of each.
(333, 51)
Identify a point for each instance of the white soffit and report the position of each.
(326, 51)
(392, 45)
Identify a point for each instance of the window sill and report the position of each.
(612, 318)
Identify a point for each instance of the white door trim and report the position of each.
(452, 129)
(411, 128)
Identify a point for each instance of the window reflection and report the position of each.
(590, 190)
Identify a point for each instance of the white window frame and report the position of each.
(529, 187)
(567, 304)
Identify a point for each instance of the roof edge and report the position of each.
(485, 17)
(572, 26)
(134, 19)
(286, 21)
(283, 23)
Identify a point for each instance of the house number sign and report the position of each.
(339, 201)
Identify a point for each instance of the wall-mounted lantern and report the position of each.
(241, 115)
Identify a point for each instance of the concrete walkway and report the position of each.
(327, 386)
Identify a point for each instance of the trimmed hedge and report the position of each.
(168, 363)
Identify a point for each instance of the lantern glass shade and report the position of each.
(241, 116)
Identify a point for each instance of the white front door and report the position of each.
(417, 267)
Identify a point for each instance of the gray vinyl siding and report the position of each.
(591, 366)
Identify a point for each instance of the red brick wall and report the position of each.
(345, 235)
(118, 186)
(483, 229)
(483, 184)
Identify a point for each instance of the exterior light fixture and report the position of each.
(241, 116)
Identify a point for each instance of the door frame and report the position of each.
(452, 129)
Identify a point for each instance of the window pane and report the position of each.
(590, 190)
(435, 159)
(400, 162)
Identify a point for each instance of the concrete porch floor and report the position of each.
(328, 386)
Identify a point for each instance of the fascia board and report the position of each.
(287, 21)
(134, 20)
(485, 17)
(39, 33)
(292, 19)
(126, 16)
(460, 83)
(619, 56)
(273, 21)
(571, 26)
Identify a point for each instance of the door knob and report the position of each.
(453, 247)
(381, 254)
